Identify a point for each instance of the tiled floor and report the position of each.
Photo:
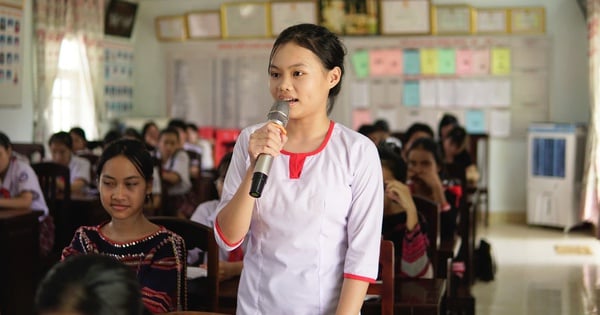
(533, 279)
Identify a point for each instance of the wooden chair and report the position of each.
(93, 159)
(200, 236)
(431, 211)
(33, 151)
(49, 173)
(385, 287)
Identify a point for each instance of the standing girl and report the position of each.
(156, 255)
(314, 234)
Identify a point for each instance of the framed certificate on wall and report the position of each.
(288, 13)
(204, 24)
(529, 20)
(245, 20)
(171, 28)
(405, 17)
(491, 21)
(452, 19)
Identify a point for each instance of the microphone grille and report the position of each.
(279, 112)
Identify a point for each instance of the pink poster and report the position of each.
(464, 62)
(480, 62)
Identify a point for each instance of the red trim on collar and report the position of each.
(297, 159)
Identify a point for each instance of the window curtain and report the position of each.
(590, 210)
(53, 21)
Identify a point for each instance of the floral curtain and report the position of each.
(591, 179)
(53, 20)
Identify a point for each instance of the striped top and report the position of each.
(410, 247)
(158, 260)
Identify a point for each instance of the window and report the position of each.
(72, 101)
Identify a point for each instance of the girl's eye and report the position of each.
(107, 183)
(298, 73)
(274, 75)
(131, 184)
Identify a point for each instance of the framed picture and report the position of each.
(120, 18)
(357, 17)
(171, 28)
(405, 17)
(288, 13)
(203, 24)
(245, 20)
(452, 19)
(528, 20)
(491, 21)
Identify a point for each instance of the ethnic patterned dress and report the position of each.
(159, 261)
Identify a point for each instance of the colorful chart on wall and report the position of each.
(11, 56)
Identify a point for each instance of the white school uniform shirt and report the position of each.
(180, 164)
(206, 213)
(318, 221)
(19, 178)
(79, 168)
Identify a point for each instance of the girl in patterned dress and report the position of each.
(155, 254)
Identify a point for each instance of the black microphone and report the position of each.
(278, 114)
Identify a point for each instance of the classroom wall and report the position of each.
(569, 96)
(568, 90)
(17, 122)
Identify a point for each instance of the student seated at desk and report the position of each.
(230, 263)
(155, 254)
(454, 147)
(402, 223)
(79, 141)
(175, 172)
(20, 189)
(61, 148)
(423, 178)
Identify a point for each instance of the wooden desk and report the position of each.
(19, 248)
(419, 296)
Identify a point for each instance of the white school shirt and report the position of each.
(309, 230)
(19, 178)
(180, 164)
(79, 168)
(206, 213)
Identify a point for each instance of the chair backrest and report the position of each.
(49, 174)
(200, 236)
(430, 210)
(93, 159)
(33, 151)
(385, 287)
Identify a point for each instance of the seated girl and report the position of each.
(402, 223)
(457, 157)
(175, 173)
(61, 148)
(230, 263)
(20, 189)
(424, 167)
(156, 255)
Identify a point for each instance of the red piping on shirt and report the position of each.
(360, 278)
(297, 159)
(228, 243)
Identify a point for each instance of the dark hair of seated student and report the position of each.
(425, 167)
(402, 222)
(445, 124)
(78, 138)
(90, 285)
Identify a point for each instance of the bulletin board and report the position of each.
(11, 55)
(118, 78)
(493, 84)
